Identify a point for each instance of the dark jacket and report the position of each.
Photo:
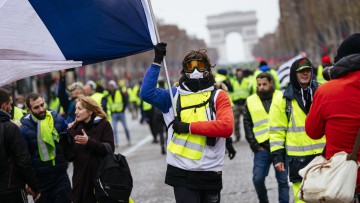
(46, 172)
(16, 167)
(88, 157)
(65, 102)
(249, 125)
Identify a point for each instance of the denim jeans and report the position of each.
(115, 117)
(262, 163)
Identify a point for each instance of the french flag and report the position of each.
(38, 36)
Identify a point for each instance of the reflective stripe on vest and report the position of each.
(297, 142)
(117, 104)
(188, 145)
(259, 116)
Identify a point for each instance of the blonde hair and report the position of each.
(91, 105)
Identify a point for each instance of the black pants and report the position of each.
(14, 197)
(186, 195)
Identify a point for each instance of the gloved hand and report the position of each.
(180, 127)
(160, 52)
(230, 148)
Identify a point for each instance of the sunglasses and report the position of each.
(189, 66)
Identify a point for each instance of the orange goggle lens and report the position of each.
(190, 66)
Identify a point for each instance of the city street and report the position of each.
(148, 168)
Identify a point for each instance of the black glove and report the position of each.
(180, 127)
(160, 52)
(230, 148)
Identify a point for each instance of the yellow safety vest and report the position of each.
(240, 91)
(290, 133)
(259, 117)
(188, 145)
(97, 96)
(117, 105)
(146, 106)
(319, 76)
(18, 113)
(133, 93)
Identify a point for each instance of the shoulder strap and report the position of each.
(353, 154)
(288, 108)
(179, 108)
(212, 104)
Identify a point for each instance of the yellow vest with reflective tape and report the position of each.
(290, 133)
(259, 117)
(116, 105)
(188, 145)
(133, 93)
(240, 91)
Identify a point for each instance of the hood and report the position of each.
(4, 116)
(345, 65)
(293, 79)
(264, 68)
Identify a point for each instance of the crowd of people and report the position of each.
(194, 120)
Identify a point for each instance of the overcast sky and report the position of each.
(191, 16)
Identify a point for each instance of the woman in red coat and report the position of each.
(90, 130)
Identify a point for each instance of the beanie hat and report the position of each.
(222, 71)
(303, 64)
(350, 45)
(262, 63)
(325, 60)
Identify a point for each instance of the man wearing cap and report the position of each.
(288, 139)
(196, 136)
(335, 111)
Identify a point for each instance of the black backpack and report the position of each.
(113, 180)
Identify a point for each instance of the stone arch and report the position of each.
(221, 25)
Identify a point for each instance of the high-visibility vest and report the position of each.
(259, 117)
(188, 145)
(117, 105)
(240, 91)
(146, 106)
(290, 133)
(319, 76)
(97, 96)
(133, 93)
(18, 113)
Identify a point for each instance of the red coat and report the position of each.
(335, 112)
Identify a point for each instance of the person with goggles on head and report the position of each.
(197, 135)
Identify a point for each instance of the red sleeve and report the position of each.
(315, 123)
(224, 123)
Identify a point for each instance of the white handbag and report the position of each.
(332, 180)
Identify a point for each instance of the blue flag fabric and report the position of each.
(39, 36)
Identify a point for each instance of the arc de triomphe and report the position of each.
(221, 25)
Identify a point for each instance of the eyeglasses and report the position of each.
(189, 66)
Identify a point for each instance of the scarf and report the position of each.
(195, 85)
(46, 137)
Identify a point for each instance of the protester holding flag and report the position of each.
(41, 129)
(196, 142)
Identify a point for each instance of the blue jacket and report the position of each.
(46, 172)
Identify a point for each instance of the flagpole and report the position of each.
(165, 66)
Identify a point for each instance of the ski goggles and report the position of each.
(189, 66)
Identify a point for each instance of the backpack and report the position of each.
(113, 180)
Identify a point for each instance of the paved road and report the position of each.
(148, 170)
